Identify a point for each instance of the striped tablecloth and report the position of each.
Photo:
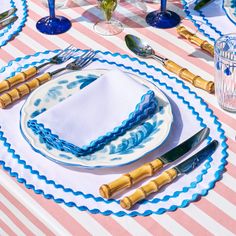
(22, 212)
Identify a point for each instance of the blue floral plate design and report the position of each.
(12, 30)
(125, 149)
(178, 195)
(229, 7)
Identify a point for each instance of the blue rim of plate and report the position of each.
(184, 203)
(195, 22)
(19, 28)
(227, 14)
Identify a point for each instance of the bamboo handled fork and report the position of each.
(15, 94)
(23, 76)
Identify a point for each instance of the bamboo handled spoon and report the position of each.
(142, 49)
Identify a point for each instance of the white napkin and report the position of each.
(96, 114)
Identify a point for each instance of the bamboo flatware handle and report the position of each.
(129, 179)
(192, 38)
(151, 187)
(15, 94)
(185, 74)
(18, 78)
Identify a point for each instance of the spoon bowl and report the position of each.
(137, 46)
(141, 48)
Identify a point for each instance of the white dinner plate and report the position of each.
(135, 144)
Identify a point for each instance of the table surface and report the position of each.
(22, 212)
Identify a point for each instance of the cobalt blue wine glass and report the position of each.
(163, 19)
(53, 24)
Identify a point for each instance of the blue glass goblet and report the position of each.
(53, 24)
(163, 19)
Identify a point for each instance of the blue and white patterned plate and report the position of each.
(12, 30)
(73, 188)
(125, 149)
(229, 7)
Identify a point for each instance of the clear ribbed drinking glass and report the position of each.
(225, 72)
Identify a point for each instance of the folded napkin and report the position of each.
(95, 115)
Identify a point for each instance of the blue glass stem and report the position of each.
(51, 5)
(163, 5)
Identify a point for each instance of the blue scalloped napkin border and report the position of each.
(185, 6)
(122, 213)
(13, 34)
(136, 117)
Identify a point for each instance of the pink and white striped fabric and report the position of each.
(22, 212)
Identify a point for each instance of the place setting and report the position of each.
(116, 129)
(111, 133)
(13, 15)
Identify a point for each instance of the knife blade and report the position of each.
(201, 4)
(150, 168)
(7, 13)
(184, 147)
(7, 22)
(193, 162)
(169, 175)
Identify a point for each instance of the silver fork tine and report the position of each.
(84, 57)
(77, 63)
(63, 51)
(88, 59)
(68, 55)
(72, 52)
(61, 57)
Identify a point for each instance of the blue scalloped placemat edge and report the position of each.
(120, 213)
(185, 6)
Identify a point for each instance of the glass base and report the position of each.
(228, 103)
(163, 20)
(55, 25)
(108, 28)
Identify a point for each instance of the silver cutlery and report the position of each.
(169, 175)
(7, 13)
(142, 49)
(15, 94)
(150, 168)
(7, 22)
(61, 57)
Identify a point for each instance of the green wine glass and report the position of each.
(108, 26)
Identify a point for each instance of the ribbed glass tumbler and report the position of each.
(225, 72)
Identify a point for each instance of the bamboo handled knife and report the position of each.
(169, 175)
(150, 168)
